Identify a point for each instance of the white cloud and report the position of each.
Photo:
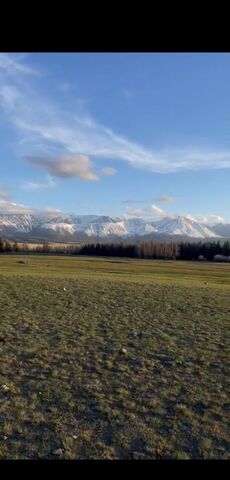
(214, 219)
(66, 166)
(35, 185)
(156, 212)
(108, 171)
(45, 123)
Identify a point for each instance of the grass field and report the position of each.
(67, 390)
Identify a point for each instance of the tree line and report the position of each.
(146, 249)
(207, 250)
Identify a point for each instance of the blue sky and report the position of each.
(116, 134)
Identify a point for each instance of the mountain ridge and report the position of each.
(72, 227)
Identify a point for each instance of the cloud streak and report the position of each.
(4, 195)
(44, 123)
(9, 65)
(164, 199)
(109, 171)
(13, 208)
(36, 185)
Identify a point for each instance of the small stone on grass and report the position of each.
(123, 351)
(5, 388)
(58, 452)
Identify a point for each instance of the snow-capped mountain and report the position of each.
(184, 226)
(139, 227)
(86, 227)
(222, 229)
(21, 223)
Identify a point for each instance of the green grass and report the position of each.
(117, 269)
(64, 383)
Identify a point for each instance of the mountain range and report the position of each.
(73, 228)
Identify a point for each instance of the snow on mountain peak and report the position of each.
(182, 225)
(104, 227)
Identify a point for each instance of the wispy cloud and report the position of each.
(151, 212)
(49, 211)
(13, 208)
(133, 212)
(13, 64)
(134, 202)
(163, 199)
(128, 202)
(64, 87)
(127, 93)
(108, 171)
(207, 219)
(44, 123)
(156, 212)
(214, 219)
(4, 195)
(66, 166)
(36, 185)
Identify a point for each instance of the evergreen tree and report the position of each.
(2, 247)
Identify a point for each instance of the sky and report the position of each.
(120, 134)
